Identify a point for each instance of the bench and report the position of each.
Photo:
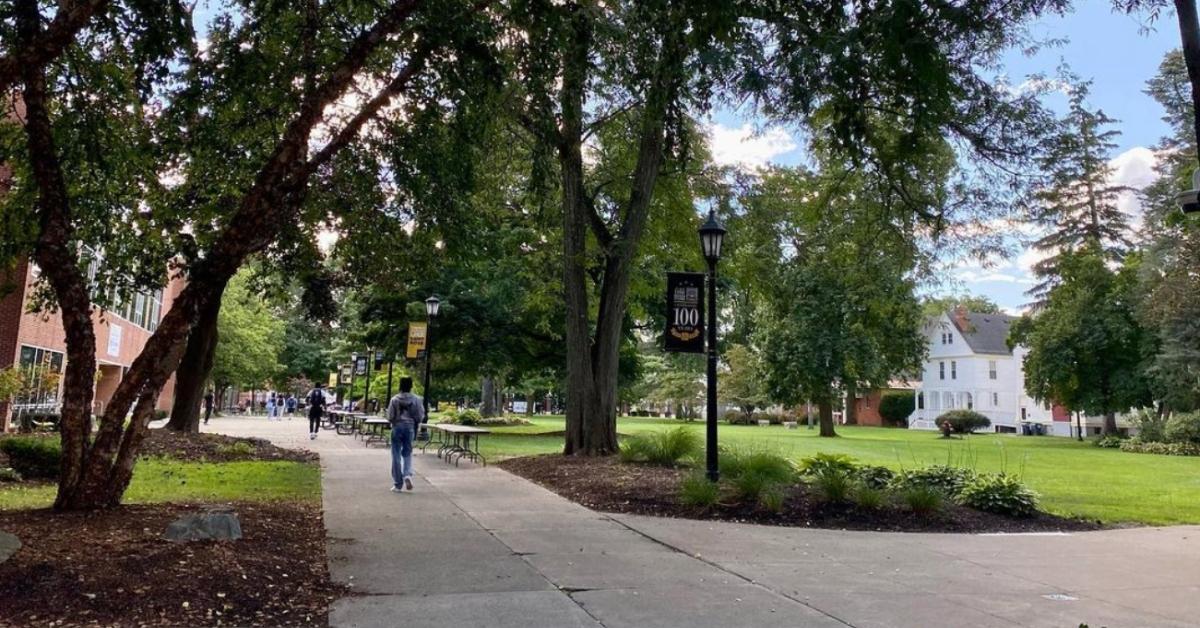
(376, 430)
(457, 442)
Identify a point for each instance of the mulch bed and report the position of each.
(115, 568)
(608, 485)
(216, 448)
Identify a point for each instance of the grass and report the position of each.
(157, 480)
(1073, 478)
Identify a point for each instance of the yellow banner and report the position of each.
(416, 340)
(333, 379)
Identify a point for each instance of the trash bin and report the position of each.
(1039, 429)
(1025, 429)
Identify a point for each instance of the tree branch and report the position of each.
(47, 45)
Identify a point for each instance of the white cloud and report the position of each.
(1134, 169)
(982, 276)
(744, 148)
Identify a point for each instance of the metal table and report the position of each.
(376, 430)
(458, 442)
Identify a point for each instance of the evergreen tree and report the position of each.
(1077, 204)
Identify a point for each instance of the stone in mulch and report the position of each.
(9, 544)
(216, 524)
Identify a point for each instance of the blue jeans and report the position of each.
(402, 445)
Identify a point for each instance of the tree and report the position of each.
(336, 54)
(743, 379)
(1077, 204)
(1085, 346)
(252, 338)
(1169, 285)
(936, 306)
(843, 311)
(587, 65)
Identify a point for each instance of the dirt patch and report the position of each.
(216, 448)
(115, 568)
(608, 485)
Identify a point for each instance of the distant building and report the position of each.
(36, 342)
(970, 366)
(866, 403)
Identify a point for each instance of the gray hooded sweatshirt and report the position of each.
(406, 409)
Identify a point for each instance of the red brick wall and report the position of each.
(868, 408)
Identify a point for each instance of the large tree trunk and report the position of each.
(851, 406)
(1189, 34)
(487, 397)
(57, 258)
(1110, 423)
(194, 369)
(825, 412)
(592, 355)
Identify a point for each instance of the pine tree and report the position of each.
(1077, 205)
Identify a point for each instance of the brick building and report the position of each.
(36, 342)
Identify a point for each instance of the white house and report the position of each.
(970, 366)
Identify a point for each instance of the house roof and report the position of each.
(985, 333)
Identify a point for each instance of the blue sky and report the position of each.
(1113, 50)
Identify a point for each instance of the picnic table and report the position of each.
(375, 430)
(456, 442)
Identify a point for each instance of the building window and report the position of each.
(995, 400)
(970, 401)
(155, 310)
(920, 401)
(948, 401)
(1023, 414)
(949, 339)
(941, 370)
(40, 370)
(953, 369)
(991, 369)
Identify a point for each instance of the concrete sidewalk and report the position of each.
(479, 547)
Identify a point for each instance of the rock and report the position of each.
(791, 425)
(219, 524)
(9, 544)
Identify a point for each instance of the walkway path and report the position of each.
(480, 547)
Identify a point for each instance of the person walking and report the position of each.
(316, 409)
(271, 406)
(291, 405)
(405, 413)
(208, 401)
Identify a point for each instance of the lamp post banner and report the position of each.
(417, 332)
(345, 373)
(685, 313)
(360, 365)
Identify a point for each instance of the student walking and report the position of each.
(316, 410)
(291, 405)
(271, 406)
(208, 401)
(405, 413)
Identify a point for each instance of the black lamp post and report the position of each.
(353, 374)
(431, 309)
(712, 233)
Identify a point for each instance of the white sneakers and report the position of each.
(397, 489)
(312, 436)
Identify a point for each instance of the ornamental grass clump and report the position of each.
(922, 500)
(820, 463)
(667, 448)
(834, 485)
(696, 490)
(868, 498)
(999, 493)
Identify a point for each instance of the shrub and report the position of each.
(9, 475)
(468, 417)
(665, 448)
(33, 457)
(999, 493)
(774, 418)
(922, 500)
(1137, 446)
(833, 485)
(821, 463)
(239, 449)
(772, 466)
(944, 479)
(964, 421)
(1152, 428)
(1112, 441)
(502, 421)
(895, 408)
(868, 498)
(740, 418)
(697, 490)
(1184, 428)
(874, 476)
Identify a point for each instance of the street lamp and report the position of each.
(1189, 201)
(431, 310)
(712, 233)
(353, 375)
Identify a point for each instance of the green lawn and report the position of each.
(161, 480)
(1073, 478)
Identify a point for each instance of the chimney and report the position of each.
(959, 315)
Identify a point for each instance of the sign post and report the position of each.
(685, 313)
